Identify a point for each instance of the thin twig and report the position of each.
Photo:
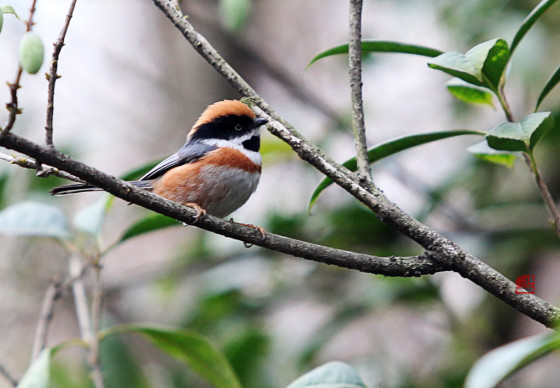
(355, 61)
(83, 315)
(44, 171)
(45, 318)
(8, 376)
(12, 106)
(80, 298)
(52, 75)
(95, 323)
(545, 193)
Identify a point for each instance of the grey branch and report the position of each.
(45, 318)
(441, 250)
(52, 75)
(390, 266)
(44, 171)
(355, 62)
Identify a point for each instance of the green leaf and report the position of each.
(522, 136)
(8, 9)
(483, 151)
(334, 374)
(38, 374)
(379, 46)
(148, 224)
(552, 82)
(188, 347)
(90, 219)
(483, 65)
(531, 19)
(234, 13)
(392, 147)
(498, 364)
(469, 93)
(1, 20)
(34, 219)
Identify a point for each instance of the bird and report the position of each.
(215, 171)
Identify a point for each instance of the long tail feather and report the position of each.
(84, 188)
(73, 188)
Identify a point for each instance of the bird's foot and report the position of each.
(200, 212)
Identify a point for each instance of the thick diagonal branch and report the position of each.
(441, 250)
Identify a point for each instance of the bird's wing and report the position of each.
(187, 154)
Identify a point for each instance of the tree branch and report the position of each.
(389, 266)
(45, 317)
(447, 257)
(12, 106)
(42, 171)
(355, 61)
(7, 375)
(52, 76)
(442, 251)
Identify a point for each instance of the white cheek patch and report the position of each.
(254, 156)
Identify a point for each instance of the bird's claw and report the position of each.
(200, 212)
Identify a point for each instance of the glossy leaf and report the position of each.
(483, 151)
(522, 136)
(335, 374)
(188, 347)
(483, 65)
(90, 219)
(468, 93)
(552, 82)
(34, 219)
(392, 147)
(498, 364)
(529, 21)
(379, 46)
(148, 224)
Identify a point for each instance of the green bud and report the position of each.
(31, 52)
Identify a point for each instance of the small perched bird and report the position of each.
(217, 169)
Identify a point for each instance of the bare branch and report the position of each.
(12, 106)
(545, 193)
(82, 312)
(95, 323)
(441, 250)
(355, 60)
(52, 76)
(445, 255)
(44, 171)
(7, 375)
(45, 318)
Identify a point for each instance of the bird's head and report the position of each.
(228, 121)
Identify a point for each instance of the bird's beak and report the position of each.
(259, 122)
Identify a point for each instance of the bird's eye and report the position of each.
(238, 127)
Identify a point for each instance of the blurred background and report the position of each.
(130, 90)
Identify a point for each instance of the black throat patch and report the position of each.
(253, 144)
